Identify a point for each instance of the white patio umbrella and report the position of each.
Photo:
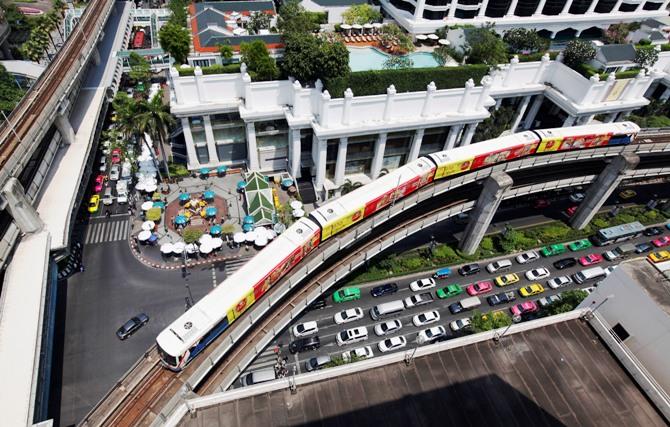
(298, 213)
(178, 247)
(296, 204)
(444, 42)
(250, 236)
(433, 36)
(150, 188)
(346, 27)
(216, 243)
(261, 241)
(239, 237)
(368, 26)
(377, 25)
(358, 27)
(144, 235)
(421, 37)
(166, 248)
(205, 239)
(140, 186)
(205, 249)
(148, 225)
(191, 248)
(147, 205)
(272, 234)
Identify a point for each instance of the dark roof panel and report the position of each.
(618, 52)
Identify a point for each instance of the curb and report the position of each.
(164, 266)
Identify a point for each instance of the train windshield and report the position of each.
(170, 360)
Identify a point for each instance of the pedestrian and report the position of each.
(81, 268)
(130, 211)
(108, 213)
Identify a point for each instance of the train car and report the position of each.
(588, 136)
(138, 41)
(363, 202)
(483, 154)
(187, 336)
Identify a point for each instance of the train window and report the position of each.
(170, 360)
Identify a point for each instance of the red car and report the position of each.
(523, 308)
(661, 242)
(99, 181)
(590, 259)
(571, 211)
(481, 287)
(116, 155)
(541, 203)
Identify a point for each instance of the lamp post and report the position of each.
(185, 274)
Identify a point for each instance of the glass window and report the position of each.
(202, 153)
(198, 136)
(231, 152)
(361, 147)
(272, 133)
(226, 120)
(196, 123)
(363, 166)
(306, 136)
(433, 140)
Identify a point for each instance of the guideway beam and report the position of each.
(492, 193)
(601, 189)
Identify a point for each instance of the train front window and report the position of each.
(170, 360)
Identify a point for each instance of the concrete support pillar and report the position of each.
(452, 9)
(418, 11)
(469, 133)
(294, 153)
(95, 55)
(341, 161)
(211, 143)
(592, 7)
(192, 160)
(415, 148)
(252, 149)
(569, 121)
(611, 117)
(20, 208)
(378, 159)
(489, 199)
(522, 110)
(602, 187)
(321, 152)
(512, 8)
(665, 95)
(64, 127)
(482, 8)
(540, 7)
(452, 137)
(617, 6)
(566, 8)
(534, 108)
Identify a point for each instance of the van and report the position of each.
(589, 274)
(465, 304)
(387, 309)
(257, 377)
(107, 198)
(626, 249)
(442, 273)
(499, 266)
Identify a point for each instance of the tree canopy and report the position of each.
(485, 47)
(10, 92)
(178, 9)
(522, 40)
(259, 21)
(260, 65)
(175, 40)
(646, 56)
(308, 58)
(488, 321)
(293, 18)
(569, 300)
(140, 69)
(578, 52)
(361, 14)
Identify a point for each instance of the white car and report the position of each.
(426, 318)
(547, 301)
(388, 327)
(348, 315)
(359, 353)
(352, 335)
(611, 255)
(391, 344)
(114, 173)
(559, 282)
(459, 324)
(496, 266)
(576, 197)
(420, 285)
(527, 257)
(305, 329)
(432, 334)
(537, 274)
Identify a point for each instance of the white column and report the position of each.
(378, 159)
(452, 9)
(211, 143)
(415, 148)
(252, 150)
(388, 106)
(510, 69)
(430, 92)
(452, 137)
(487, 82)
(585, 120)
(618, 5)
(611, 117)
(418, 11)
(294, 153)
(540, 6)
(640, 6)
(22, 211)
(469, 85)
(346, 110)
(569, 121)
(199, 85)
(469, 133)
(566, 8)
(341, 161)
(95, 55)
(512, 8)
(593, 5)
(192, 156)
(322, 145)
(64, 127)
(482, 8)
(534, 108)
(521, 110)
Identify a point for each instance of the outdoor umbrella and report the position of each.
(216, 242)
(204, 171)
(239, 237)
(444, 42)
(215, 229)
(159, 205)
(148, 225)
(166, 248)
(184, 197)
(147, 205)
(272, 234)
(178, 247)
(247, 227)
(150, 188)
(286, 182)
(222, 169)
(191, 248)
(204, 239)
(250, 236)
(249, 219)
(209, 194)
(296, 204)
(279, 228)
(241, 185)
(144, 235)
(261, 241)
(153, 238)
(298, 213)
(345, 27)
(433, 36)
(357, 27)
(205, 249)
(180, 220)
(368, 26)
(211, 211)
(421, 37)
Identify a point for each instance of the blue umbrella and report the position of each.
(287, 182)
(210, 211)
(159, 205)
(215, 229)
(153, 238)
(247, 227)
(209, 194)
(184, 197)
(180, 220)
(249, 219)
(204, 171)
(222, 169)
(241, 185)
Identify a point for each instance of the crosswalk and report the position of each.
(107, 231)
(233, 265)
(266, 359)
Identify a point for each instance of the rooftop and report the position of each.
(651, 279)
(556, 375)
(618, 52)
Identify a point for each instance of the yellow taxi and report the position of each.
(507, 279)
(94, 203)
(531, 290)
(659, 256)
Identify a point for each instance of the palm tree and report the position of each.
(155, 119)
(348, 187)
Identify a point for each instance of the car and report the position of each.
(449, 291)
(609, 270)
(527, 257)
(305, 329)
(349, 315)
(576, 197)
(420, 285)
(132, 326)
(571, 211)
(659, 256)
(304, 344)
(652, 231)
(393, 343)
(99, 183)
(352, 335)
(480, 287)
(591, 259)
(641, 248)
(114, 173)
(460, 324)
(431, 335)
(316, 363)
(565, 263)
(419, 299)
(547, 301)
(359, 353)
(580, 245)
(500, 265)
(501, 298)
(347, 294)
(94, 203)
(611, 255)
(524, 308)
(552, 250)
(116, 156)
(667, 226)
(627, 194)
(531, 290)
(541, 203)
(385, 289)
(317, 304)
(559, 282)
(537, 274)
(442, 273)
(462, 218)
(426, 318)
(507, 279)
(388, 327)
(469, 269)
(661, 242)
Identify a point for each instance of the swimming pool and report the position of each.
(369, 58)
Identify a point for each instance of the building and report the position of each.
(657, 31)
(561, 17)
(614, 57)
(334, 8)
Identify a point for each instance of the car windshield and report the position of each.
(423, 317)
(300, 328)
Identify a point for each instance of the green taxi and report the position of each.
(347, 294)
(449, 291)
(552, 250)
(579, 245)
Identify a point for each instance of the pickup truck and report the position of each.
(417, 300)
(501, 298)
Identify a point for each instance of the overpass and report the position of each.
(149, 394)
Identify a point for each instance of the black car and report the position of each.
(131, 326)
(501, 298)
(456, 308)
(641, 248)
(386, 289)
(652, 231)
(469, 269)
(318, 304)
(304, 344)
(565, 263)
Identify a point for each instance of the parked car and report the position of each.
(469, 269)
(388, 327)
(501, 298)
(304, 344)
(393, 343)
(94, 203)
(652, 231)
(317, 304)
(590, 259)
(565, 263)
(417, 300)
(524, 308)
(661, 242)
(552, 250)
(431, 335)
(527, 257)
(537, 274)
(580, 245)
(449, 291)
(627, 194)
(352, 335)
(571, 210)
(305, 329)
(116, 156)
(385, 289)
(559, 282)
(420, 285)
(103, 164)
(442, 273)
(659, 256)
(99, 182)
(576, 197)
(348, 315)
(547, 301)
(347, 294)
(359, 353)
(499, 266)
(132, 326)
(531, 290)
(114, 173)
(460, 324)
(316, 363)
(611, 255)
(641, 248)
(426, 318)
(507, 279)
(479, 288)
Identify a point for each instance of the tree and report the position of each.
(443, 54)
(617, 33)
(178, 9)
(175, 40)
(226, 52)
(294, 19)
(192, 234)
(361, 14)
(308, 58)
(259, 63)
(578, 52)
(646, 56)
(493, 126)
(259, 21)
(395, 62)
(522, 40)
(10, 92)
(392, 34)
(155, 119)
(488, 321)
(569, 300)
(140, 69)
(485, 47)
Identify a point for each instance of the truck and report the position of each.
(417, 300)
(122, 192)
(465, 304)
(501, 298)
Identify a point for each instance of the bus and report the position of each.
(138, 41)
(618, 233)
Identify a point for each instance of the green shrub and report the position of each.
(487, 244)
(665, 47)
(192, 234)
(178, 170)
(317, 17)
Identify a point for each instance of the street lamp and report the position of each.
(185, 274)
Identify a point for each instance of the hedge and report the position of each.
(375, 82)
(317, 17)
(212, 69)
(534, 57)
(587, 71)
(665, 47)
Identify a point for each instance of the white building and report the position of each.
(280, 125)
(552, 17)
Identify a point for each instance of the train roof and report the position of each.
(604, 128)
(180, 335)
(488, 146)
